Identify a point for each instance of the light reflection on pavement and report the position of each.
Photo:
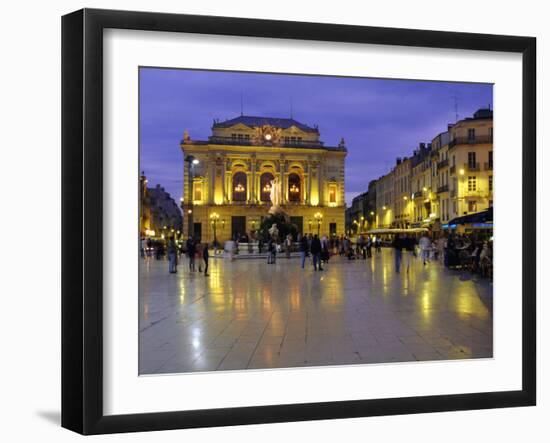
(248, 314)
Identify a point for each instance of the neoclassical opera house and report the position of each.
(228, 177)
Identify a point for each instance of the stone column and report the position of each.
(321, 182)
(306, 198)
(253, 196)
(282, 176)
(249, 187)
(224, 191)
(227, 181)
(211, 178)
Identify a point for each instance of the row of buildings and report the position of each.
(159, 215)
(448, 178)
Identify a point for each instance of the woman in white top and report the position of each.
(425, 246)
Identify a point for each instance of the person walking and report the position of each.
(159, 250)
(198, 255)
(398, 251)
(288, 245)
(410, 246)
(425, 245)
(361, 245)
(191, 250)
(205, 257)
(142, 247)
(378, 243)
(304, 250)
(271, 252)
(260, 244)
(316, 252)
(441, 244)
(172, 250)
(325, 255)
(368, 248)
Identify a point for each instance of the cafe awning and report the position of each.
(382, 231)
(478, 217)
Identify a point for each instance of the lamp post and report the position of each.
(182, 206)
(191, 161)
(214, 217)
(319, 217)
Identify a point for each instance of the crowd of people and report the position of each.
(465, 251)
(197, 253)
(470, 252)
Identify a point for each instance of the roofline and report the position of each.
(223, 124)
(317, 148)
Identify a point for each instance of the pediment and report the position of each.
(240, 126)
(293, 130)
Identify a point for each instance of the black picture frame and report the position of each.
(82, 217)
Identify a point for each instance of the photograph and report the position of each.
(293, 220)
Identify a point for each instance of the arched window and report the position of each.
(294, 187)
(265, 186)
(239, 187)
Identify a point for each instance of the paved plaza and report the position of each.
(250, 315)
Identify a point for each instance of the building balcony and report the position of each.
(442, 164)
(488, 166)
(478, 140)
(218, 140)
(479, 193)
(441, 189)
(472, 167)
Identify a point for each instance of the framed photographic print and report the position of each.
(269, 221)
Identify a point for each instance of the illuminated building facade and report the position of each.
(159, 215)
(450, 177)
(422, 172)
(402, 192)
(227, 183)
(471, 164)
(385, 201)
(361, 215)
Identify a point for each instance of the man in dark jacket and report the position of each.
(205, 257)
(304, 249)
(398, 247)
(315, 249)
(172, 256)
(191, 251)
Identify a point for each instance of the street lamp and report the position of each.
(319, 217)
(192, 161)
(214, 217)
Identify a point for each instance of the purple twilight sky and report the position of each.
(379, 119)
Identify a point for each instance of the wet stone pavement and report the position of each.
(248, 314)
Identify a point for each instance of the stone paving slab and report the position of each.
(248, 314)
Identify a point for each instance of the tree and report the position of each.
(283, 225)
